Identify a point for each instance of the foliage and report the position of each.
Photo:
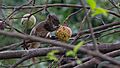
(96, 10)
(51, 55)
(92, 4)
(75, 50)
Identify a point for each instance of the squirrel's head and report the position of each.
(52, 23)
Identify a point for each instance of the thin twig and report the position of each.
(80, 30)
(113, 3)
(69, 16)
(90, 27)
(56, 5)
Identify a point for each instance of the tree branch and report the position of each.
(99, 28)
(95, 61)
(60, 44)
(31, 52)
(54, 5)
(104, 48)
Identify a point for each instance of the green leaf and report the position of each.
(98, 11)
(53, 52)
(92, 4)
(78, 61)
(75, 50)
(53, 58)
(70, 53)
(51, 55)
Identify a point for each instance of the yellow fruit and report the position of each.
(63, 33)
(28, 22)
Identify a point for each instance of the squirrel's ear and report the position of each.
(52, 16)
(48, 15)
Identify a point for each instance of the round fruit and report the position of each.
(63, 33)
(28, 22)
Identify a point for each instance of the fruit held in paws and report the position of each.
(63, 33)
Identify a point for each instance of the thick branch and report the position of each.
(95, 61)
(90, 63)
(32, 52)
(60, 44)
(18, 53)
